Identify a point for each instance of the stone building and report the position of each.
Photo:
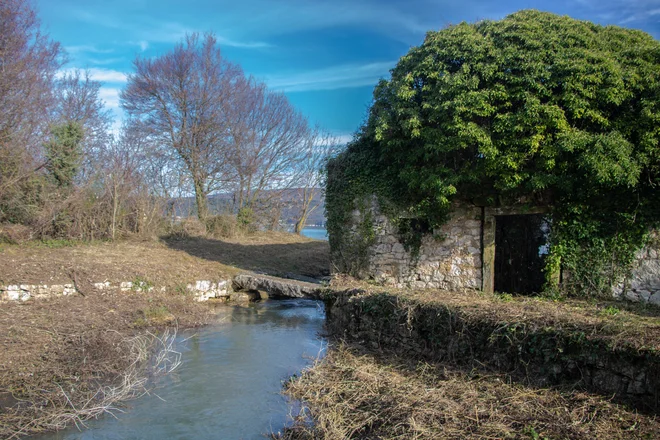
(482, 248)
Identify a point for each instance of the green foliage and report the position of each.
(246, 218)
(534, 108)
(64, 153)
(141, 284)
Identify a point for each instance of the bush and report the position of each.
(14, 234)
(186, 228)
(222, 226)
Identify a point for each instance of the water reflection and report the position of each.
(229, 384)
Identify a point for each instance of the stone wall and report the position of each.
(644, 283)
(529, 351)
(201, 290)
(450, 258)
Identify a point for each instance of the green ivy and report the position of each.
(536, 107)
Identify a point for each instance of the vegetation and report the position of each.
(358, 394)
(534, 109)
(437, 364)
(197, 126)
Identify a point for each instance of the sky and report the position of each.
(326, 56)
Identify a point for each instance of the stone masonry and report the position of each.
(450, 258)
(644, 282)
(201, 290)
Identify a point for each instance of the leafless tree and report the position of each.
(28, 63)
(267, 133)
(182, 98)
(310, 174)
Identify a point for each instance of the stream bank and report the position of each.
(437, 364)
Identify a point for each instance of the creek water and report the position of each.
(229, 384)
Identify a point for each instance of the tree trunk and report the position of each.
(200, 201)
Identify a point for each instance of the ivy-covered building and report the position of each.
(477, 248)
(517, 155)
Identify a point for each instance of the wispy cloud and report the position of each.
(98, 74)
(331, 78)
(243, 44)
(640, 16)
(107, 75)
(86, 49)
(110, 95)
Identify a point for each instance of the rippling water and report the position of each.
(229, 384)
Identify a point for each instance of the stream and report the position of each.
(229, 383)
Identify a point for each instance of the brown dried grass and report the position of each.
(634, 325)
(352, 394)
(68, 359)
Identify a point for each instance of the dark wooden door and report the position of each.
(520, 248)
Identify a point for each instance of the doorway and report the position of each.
(521, 244)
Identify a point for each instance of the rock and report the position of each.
(276, 287)
(239, 297)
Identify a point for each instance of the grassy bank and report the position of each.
(437, 364)
(357, 394)
(71, 358)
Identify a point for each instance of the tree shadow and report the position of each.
(307, 259)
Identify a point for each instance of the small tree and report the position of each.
(64, 153)
(310, 166)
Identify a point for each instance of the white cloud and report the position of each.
(640, 16)
(144, 45)
(110, 95)
(343, 139)
(246, 45)
(331, 78)
(97, 74)
(107, 75)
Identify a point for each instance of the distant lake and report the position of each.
(315, 233)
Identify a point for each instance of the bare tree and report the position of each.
(182, 98)
(310, 174)
(28, 62)
(267, 133)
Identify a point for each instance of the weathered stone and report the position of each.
(276, 287)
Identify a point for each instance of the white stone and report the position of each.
(203, 285)
(125, 286)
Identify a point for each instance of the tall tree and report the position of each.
(28, 63)
(182, 98)
(267, 135)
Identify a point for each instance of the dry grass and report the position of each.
(633, 325)
(353, 395)
(274, 253)
(69, 359)
(170, 263)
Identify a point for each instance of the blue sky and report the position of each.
(325, 55)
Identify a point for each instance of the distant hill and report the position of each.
(223, 202)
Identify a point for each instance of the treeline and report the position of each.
(195, 124)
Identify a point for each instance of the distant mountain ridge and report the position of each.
(223, 203)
